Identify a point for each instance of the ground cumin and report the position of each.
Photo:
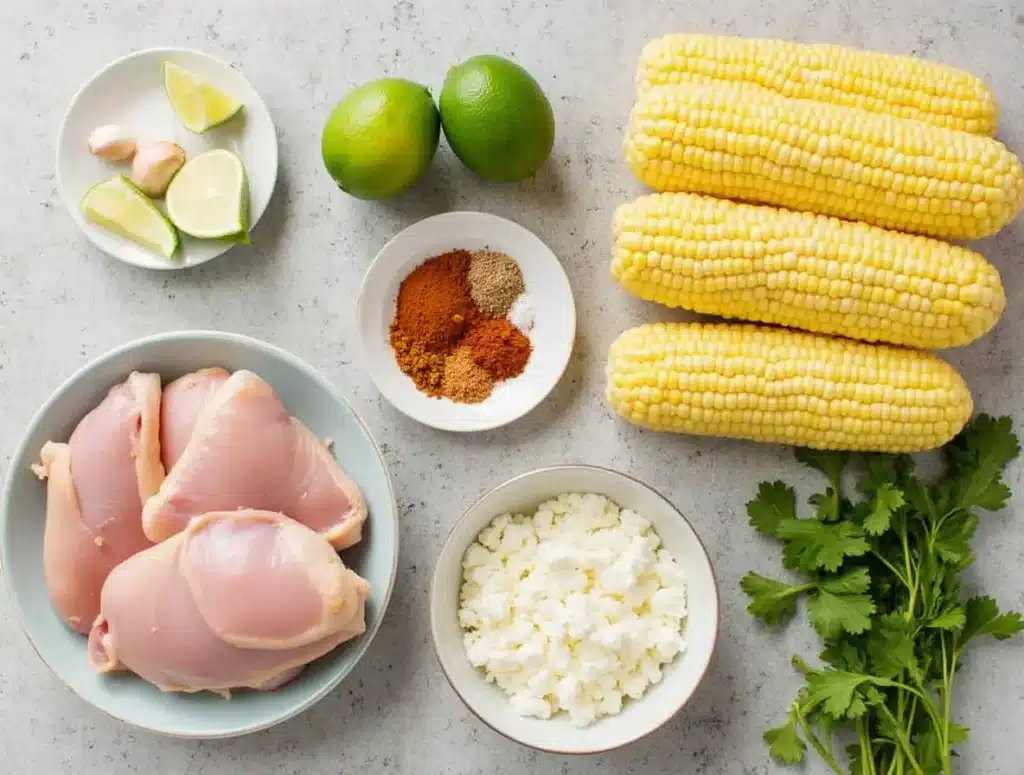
(499, 347)
(464, 381)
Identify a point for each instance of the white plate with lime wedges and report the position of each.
(207, 109)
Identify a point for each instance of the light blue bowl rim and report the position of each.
(244, 341)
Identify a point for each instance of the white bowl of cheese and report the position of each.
(574, 609)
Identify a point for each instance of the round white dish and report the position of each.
(311, 398)
(638, 717)
(552, 335)
(129, 92)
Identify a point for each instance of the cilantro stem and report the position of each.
(823, 752)
(799, 589)
(948, 671)
(913, 709)
(867, 760)
(901, 701)
(892, 568)
(926, 701)
(901, 738)
(911, 579)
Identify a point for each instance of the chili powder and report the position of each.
(499, 347)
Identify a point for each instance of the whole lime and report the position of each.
(496, 118)
(381, 137)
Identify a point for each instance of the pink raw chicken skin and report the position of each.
(245, 450)
(239, 599)
(97, 484)
(183, 401)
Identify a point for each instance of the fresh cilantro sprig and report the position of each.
(879, 572)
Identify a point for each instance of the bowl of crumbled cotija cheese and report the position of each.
(574, 609)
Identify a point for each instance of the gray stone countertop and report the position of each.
(63, 303)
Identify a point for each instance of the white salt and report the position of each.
(521, 313)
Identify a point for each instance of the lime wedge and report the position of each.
(120, 207)
(199, 105)
(209, 197)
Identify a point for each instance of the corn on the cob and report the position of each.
(804, 271)
(881, 83)
(775, 385)
(746, 143)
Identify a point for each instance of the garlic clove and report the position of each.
(155, 165)
(112, 143)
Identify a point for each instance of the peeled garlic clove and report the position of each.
(110, 142)
(156, 163)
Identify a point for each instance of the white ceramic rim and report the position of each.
(714, 584)
(258, 211)
(526, 407)
(317, 377)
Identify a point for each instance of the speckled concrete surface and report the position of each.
(62, 303)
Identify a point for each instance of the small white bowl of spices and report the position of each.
(466, 321)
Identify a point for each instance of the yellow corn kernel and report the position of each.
(780, 386)
(804, 271)
(900, 86)
(749, 144)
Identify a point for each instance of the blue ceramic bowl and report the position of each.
(311, 398)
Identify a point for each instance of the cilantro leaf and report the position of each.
(842, 653)
(921, 499)
(976, 459)
(852, 582)
(775, 502)
(883, 469)
(828, 462)
(855, 755)
(929, 751)
(950, 619)
(812, 545)
(957, 733)
(842, 695)
(983, 618)
(953, 538)
(785, 743)
(859, 511)
(827, 505)
(773, 602)
(927, 745)
(833, 614)
(985, 437)
(887, 500)
(891, 647)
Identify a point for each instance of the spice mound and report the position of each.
(495, 282)
(450, 334)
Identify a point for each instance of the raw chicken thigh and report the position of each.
(245, 450)
(75, 564)
(98, 482)
(237, 599)
(182, 403)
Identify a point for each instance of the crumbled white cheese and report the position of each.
(573, 608)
